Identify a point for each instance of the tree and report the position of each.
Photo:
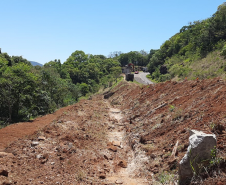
(17, 84)
(116, 71)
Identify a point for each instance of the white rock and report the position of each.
(118, 182)
(199, 149)
(41, 138)
(34, 143)
(39, 156)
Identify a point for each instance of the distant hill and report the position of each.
(35, 63)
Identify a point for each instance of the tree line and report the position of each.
(27, 91)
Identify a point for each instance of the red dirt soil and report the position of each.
(13, 132)
(76, 149)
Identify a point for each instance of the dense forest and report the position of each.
(27, 91)
(196, 51)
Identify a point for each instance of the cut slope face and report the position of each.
(162, 115)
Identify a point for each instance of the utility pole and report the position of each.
(0, 51)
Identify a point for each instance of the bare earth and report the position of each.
(125, 139)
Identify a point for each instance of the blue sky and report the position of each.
(44, 30)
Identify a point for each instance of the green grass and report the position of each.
(150, 78)
(118, 81)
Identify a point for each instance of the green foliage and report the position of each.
(135, 57)
(223, 51)
(171, 108)
(194, 42)
(27, 91)
(166, 178)
(84, 88)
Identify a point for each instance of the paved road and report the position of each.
(141, 78)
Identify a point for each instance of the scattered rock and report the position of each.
(106, 157)
(41, 138)
(118, 182)
(44, 161)
(39, 156)
(112, 148)
(116, 143)
(102, 176)
(61, 158)
(4, 172)
(200, 146)
(34, 143)
(123, 164)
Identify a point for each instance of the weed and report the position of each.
(65, 113)
(178, 114)
(166, 178)
(171, 108)
(80, 175)
(212, 125)
(147, 147)
(207, 168)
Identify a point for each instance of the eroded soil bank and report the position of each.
(127, 138)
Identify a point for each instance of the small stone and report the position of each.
(102, 176)
(116, 143)
(52, 163)
(118, 182)
(41, 138)
(39, 156)
(123, 164)
(34, 143)
(4, 172)
(106, 157)
(112, 148)
(44, 161)
(61, 158)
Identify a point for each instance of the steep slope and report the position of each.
(157, 116)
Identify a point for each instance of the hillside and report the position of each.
(123, 136)
(184, 54)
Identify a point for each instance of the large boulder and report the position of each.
(199, 152)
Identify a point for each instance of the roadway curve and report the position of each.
(141, 78)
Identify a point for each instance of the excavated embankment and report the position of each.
(159, 116)
(126, 138)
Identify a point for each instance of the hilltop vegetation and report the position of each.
(199, 45)
(27, 91)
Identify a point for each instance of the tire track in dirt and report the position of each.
(124, 175)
